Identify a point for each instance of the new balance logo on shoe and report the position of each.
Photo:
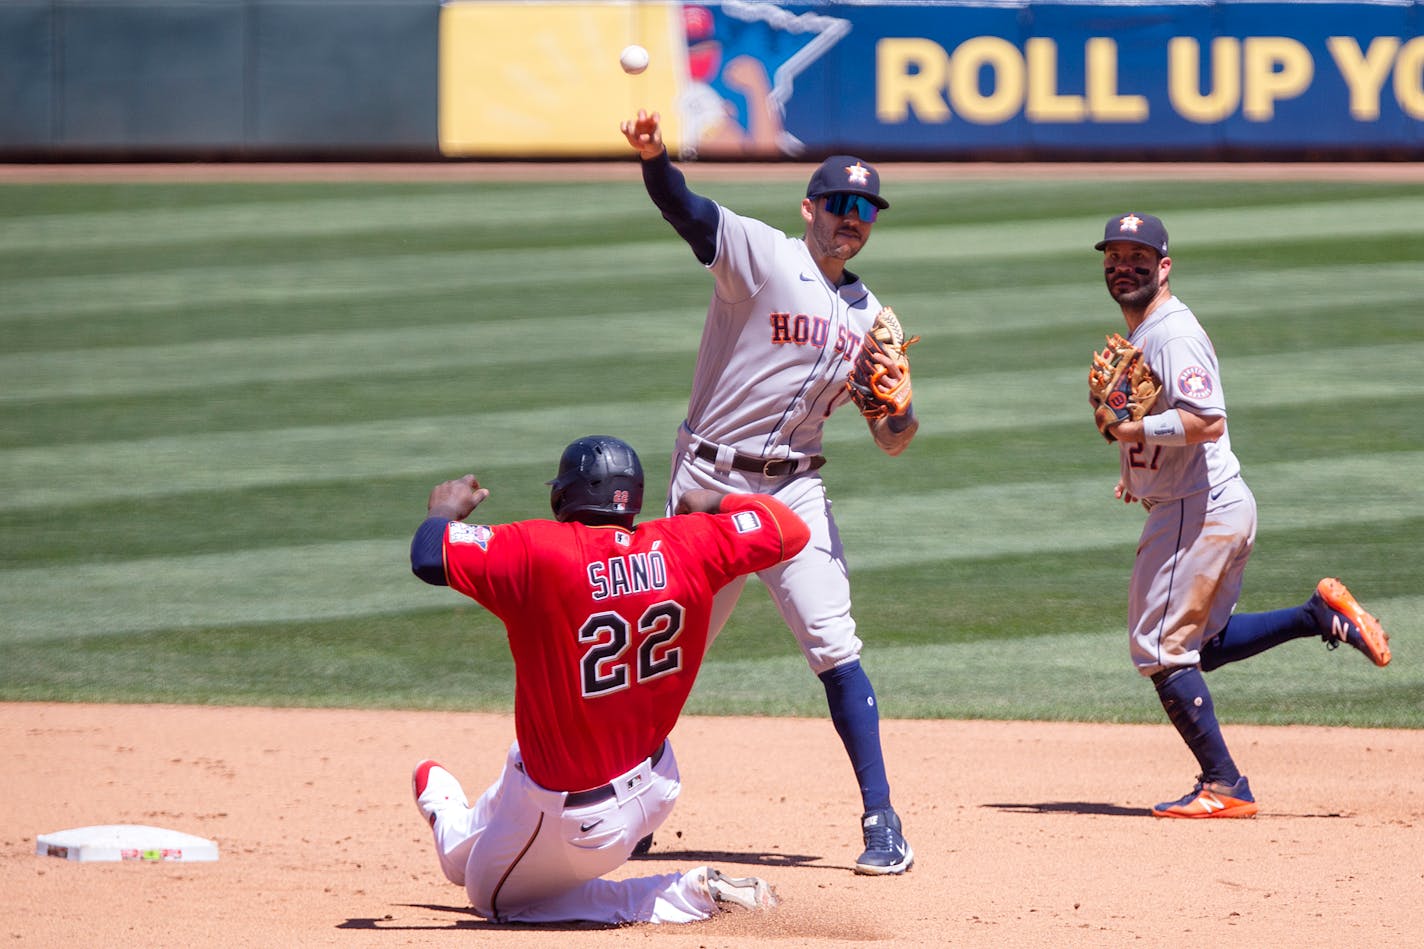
(1339, 628)
(1209, 803)
(1349, 622)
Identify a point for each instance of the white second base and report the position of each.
(114, 842)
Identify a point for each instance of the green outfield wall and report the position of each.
(1002, 79)
(218, 78)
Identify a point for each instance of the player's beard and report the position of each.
(1144, 284)
(835, 242)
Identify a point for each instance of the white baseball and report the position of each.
(633, 59)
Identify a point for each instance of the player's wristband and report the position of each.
(898, 423)
(1164, 429)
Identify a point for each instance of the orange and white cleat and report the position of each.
(1344, 620)
(1209, 799)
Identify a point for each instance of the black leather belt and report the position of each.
(595, 795)
(771, 468)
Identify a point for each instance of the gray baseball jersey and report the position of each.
(777, 345)
(1183, 358)
(1201, 522)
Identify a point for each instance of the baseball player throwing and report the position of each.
(1176, 459)
(784, 326)
(607, 624)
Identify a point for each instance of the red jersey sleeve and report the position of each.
(485, 562)
(764, 528)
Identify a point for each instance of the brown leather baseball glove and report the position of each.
(1121, 385)
(869, 388)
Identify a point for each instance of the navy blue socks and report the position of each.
(857, 719)
(1188, 704)
(1247, 634)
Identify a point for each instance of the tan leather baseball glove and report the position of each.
(1120, 384)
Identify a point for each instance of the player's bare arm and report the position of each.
(700, 501)
(645, 134)
(895, 432)
(455, 500)
(1197, 428)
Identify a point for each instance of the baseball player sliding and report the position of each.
(785, 326)
(607, 624)
(1158, 395)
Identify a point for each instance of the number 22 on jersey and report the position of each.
(607, 665)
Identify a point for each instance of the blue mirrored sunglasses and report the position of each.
(839, 203)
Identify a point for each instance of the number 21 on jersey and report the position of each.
(1135, 459)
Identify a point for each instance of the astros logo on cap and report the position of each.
(1130, 223)
(858, 174)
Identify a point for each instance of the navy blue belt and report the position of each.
(597, 795)
(772, 468)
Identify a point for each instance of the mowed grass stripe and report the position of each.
(1005, 680)
(359, 577)
(1214, 227)
(74, 295)
(475, 350)
(1245, 293)
(237, 588)
(1028, 517)
(394, 276)
(376, 212)
(73, 373)
(39, 476)
(158, 467)
(347, 210)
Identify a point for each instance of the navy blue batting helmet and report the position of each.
(598, 475)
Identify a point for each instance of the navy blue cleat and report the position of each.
(886, 849)
(1343, 620)
(1210, 799)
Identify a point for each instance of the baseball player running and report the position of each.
(607, 624)
(1201, 524)
(784, 325)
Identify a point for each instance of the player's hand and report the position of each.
(645, 134)
(699, 501)
(894, 371)
(1120, 492)
(454, 500)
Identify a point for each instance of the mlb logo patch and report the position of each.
(477, 534)
(746, 521)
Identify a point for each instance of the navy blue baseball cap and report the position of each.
(1137, 228)
(848, 174)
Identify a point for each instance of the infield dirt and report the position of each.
(1026, 834)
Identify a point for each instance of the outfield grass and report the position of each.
(224, 406)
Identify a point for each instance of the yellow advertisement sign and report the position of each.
(543, 79)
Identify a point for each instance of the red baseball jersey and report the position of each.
(608, 625)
